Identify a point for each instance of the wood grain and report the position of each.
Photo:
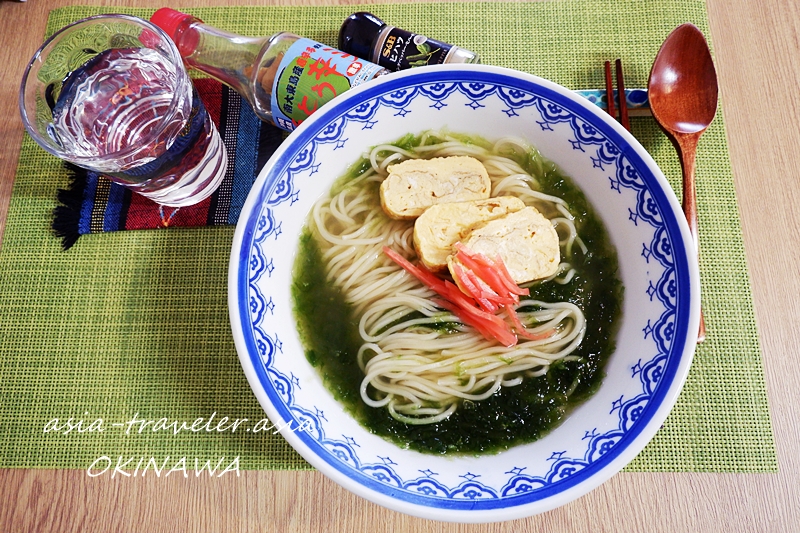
(757, 50)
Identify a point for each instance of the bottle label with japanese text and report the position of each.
(310, 75)
(403, 49)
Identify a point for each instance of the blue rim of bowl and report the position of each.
(652, 415)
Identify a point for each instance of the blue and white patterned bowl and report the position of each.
(656, 339)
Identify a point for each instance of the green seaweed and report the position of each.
(514, 415)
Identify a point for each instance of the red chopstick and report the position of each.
(611, 107)
(610, 92)
(623, 104)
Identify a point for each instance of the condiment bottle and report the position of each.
(365, 35)
(285, 77)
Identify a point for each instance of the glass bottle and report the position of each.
(365, 35)
(284, 77)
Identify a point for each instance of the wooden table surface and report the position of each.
(757, 46)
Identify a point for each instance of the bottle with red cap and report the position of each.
(284, 77)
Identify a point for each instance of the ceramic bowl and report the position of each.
(659, 322)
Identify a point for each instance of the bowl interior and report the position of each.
(626, 189)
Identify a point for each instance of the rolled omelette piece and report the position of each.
(416, 184)
(442, 225)
(525, 240)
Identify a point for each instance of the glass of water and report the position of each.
(110, 94)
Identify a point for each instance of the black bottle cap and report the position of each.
(357, 34)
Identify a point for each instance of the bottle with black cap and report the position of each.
(366, 36)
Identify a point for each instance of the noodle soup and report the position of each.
(411, 371)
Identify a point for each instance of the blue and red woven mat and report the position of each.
(93, 204)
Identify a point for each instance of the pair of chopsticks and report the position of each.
(623, 106)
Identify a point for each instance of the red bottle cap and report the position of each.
(176, 25)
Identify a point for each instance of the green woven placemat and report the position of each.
(135, 323)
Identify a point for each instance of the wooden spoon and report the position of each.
(683, 99)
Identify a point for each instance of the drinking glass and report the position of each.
(110, 94)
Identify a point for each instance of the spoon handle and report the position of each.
(687, 148)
